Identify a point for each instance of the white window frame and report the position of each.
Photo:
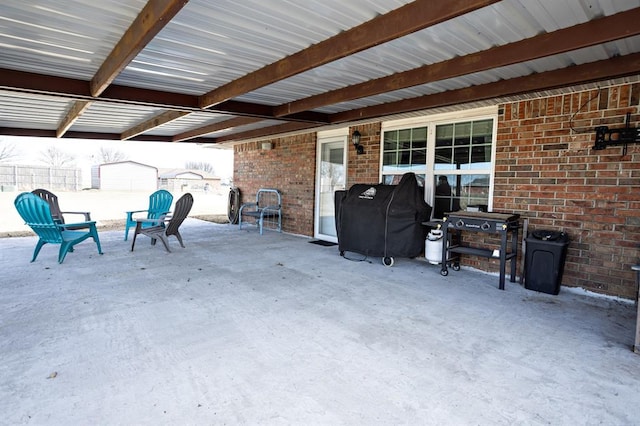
(431, 121)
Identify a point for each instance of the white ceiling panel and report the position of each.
(210, 44)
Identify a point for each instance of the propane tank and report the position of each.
(433, 247)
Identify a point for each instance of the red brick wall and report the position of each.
(289, 167)
(549, 173)
(365, 168)
(545, 171)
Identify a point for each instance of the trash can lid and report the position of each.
(548, 235)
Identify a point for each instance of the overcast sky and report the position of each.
(29, 151)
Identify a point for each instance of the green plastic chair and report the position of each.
(159, 204)
(58, 215)
(36, 213)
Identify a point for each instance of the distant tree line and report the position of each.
(194, 165)
(56, 157)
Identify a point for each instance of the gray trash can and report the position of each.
(544, 261)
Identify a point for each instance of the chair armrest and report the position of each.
(76, 225)
(272, 208)
(131, 213)
(87, 215)
(245, 205)
(162, 218)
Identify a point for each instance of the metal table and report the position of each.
(503, 224)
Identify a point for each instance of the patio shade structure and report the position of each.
(215, 72)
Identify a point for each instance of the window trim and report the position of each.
(433, 120)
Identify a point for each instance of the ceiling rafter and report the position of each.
(153, 17)
(76, 110)
(267, 131)
(42, 133)
(599, 31)
(590, 33)
(74, 89)
(227, 124)
(579, 74)
(405, 20)
(300, 115)
(620, 66)
(152, 123)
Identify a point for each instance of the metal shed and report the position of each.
(127, 176)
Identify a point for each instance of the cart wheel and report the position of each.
(456, 266)
(342, 253)
(387, 261)
(444, 272)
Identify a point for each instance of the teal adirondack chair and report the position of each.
(36, 213)
(159, 204)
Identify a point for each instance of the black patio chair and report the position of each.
(165, 225)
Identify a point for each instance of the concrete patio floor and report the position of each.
(239, 328)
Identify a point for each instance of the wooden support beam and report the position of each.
(400, 22)
(604, 30)
(153, 17)
(278, 129)
(580, 74)
(227, 124)
(620, 66)
(115, 94)
(76, 110)
(157, 121)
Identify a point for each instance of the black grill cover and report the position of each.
(382, 220)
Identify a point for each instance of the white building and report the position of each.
(124, 176)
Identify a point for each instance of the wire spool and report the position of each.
(233, 208)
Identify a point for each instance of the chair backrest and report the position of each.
(37, 214)
(266, 197)
(183, 207)
(52, 200)
(159, 203)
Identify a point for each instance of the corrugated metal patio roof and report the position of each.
(223, 71)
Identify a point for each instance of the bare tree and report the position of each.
(110, 155)
(194, 165)
(55, 157)
(7, 152)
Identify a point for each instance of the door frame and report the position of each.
(330, 136)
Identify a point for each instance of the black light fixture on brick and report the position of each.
(355, 140)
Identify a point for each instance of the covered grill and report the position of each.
(382, 220)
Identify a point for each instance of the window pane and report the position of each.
(461, 156)
(404, 139)
(419, 134)
(404, 151)
(475, 191)
(445, 200)
(462, 133)
(461, 147)
(389, 159)
(483, 129)
(444, 135)
(481, 154)
(390, 140)
(419, 157)
(404, 157)
(418, 144)
(444, 156)
(395, 179)
(387, 179)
